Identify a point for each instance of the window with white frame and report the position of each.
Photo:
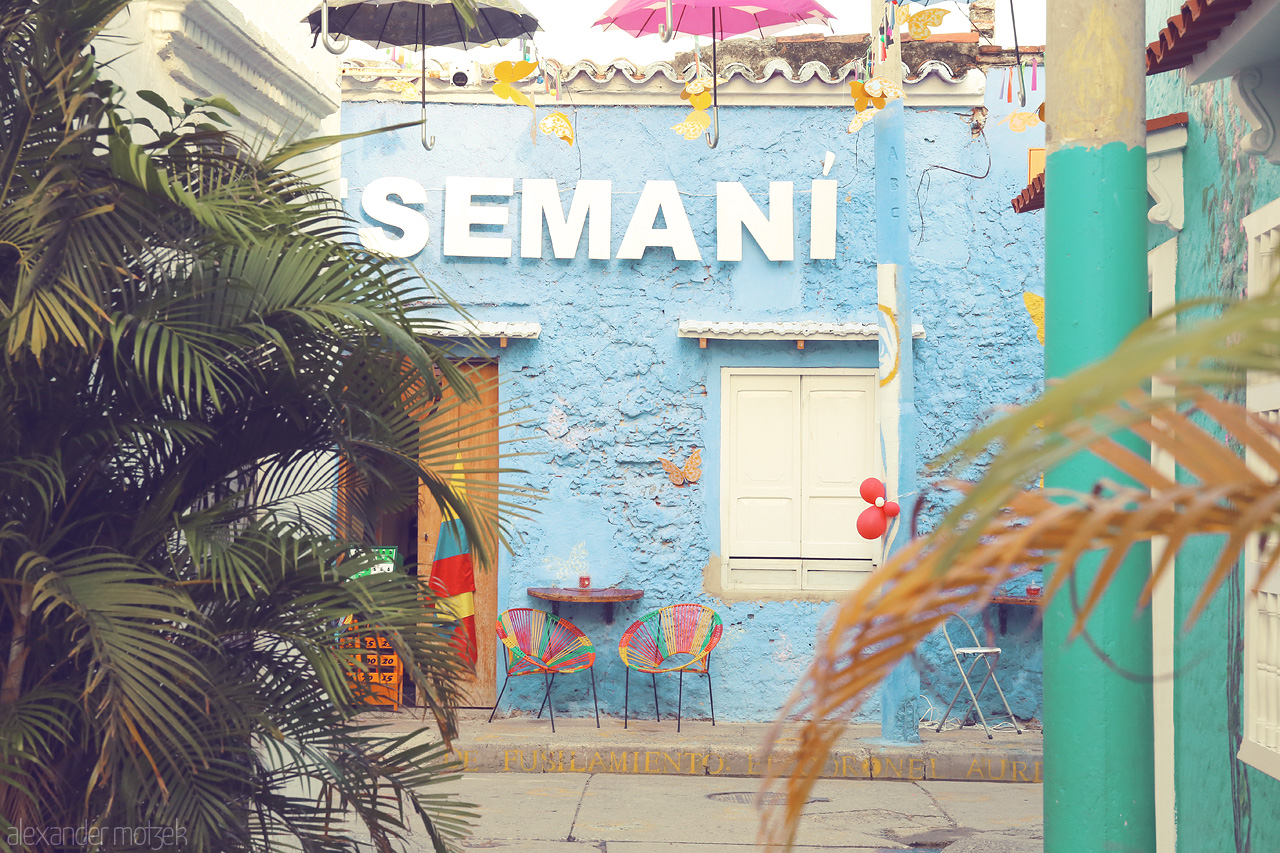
(796, 446)
(1260, 743)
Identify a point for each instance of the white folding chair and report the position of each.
(990, 655)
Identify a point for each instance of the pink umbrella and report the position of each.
(719, 19)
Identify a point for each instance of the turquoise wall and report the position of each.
(609, 389)
(1222, 804)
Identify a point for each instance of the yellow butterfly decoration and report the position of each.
(918, 23)
(698, 93)
(861, 119)
(1019, 122)
(875, 92)
(508, 74)
(691, 471)
(557, 124)
(1035, 307)
(1040, 111)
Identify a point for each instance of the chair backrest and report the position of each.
(536, 640)
(690, 629)
(948, 626)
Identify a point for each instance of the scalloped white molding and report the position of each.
(514, 329)
(1164, 175)
(209, 47)
(660, 83)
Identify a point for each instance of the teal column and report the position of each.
(899, 719)
(1099, 788)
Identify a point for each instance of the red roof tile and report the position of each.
(1190, 31)
(1032, 198)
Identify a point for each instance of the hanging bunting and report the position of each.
(1033, 73)
(698, 94)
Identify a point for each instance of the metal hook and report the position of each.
(425, 144)
(713, 138)
(334, 46)
(667, 32)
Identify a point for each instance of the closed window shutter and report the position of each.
(1260, 745)
(797, 446)
(763, 459)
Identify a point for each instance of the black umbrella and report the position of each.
(420, 24)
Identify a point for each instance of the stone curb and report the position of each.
(527, 745)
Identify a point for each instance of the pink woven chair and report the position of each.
(678, 638)
(537, 643)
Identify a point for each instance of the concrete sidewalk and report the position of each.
(524, 744)
(603, 813)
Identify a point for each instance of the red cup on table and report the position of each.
(584, 581)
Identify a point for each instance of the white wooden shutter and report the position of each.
(1260, 746)
(763, 479)
(838, 422)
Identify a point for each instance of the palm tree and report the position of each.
(998, 525)
(194, 359)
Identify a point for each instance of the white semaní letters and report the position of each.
(659, 196)
(460, 214)
(379, 207)
(822, 220)
(776, 233)
(540, 201)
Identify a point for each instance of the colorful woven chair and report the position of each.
(679, 639)
(537, 643)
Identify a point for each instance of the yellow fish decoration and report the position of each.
(557, 124)
(508, 74)
(919, 23)
(1035, 307)
(698, 93)
(1019, 122)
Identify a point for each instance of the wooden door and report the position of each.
(480, 417)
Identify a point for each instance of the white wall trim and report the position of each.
(784, 330)
(1164, 175)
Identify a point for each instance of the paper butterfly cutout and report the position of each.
(1035, 307)
(873, 93)
(874, 520)
(691, 471)
(1019, 122)
(569, 570)
(557, 124)
(861, 119)
(508, 74)
(1040, 111)
(918, 23)
(698, 93)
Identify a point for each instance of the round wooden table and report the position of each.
(592, 595)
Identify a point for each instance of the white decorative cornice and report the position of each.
(783, 330)
(209, 47)
(1164, 175)
(497, 329)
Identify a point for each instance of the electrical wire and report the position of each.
(925, 174)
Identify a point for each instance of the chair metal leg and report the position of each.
(1007, 709)
(973, 697)
(709, 692)
(592, 669)
(656, 712)
(947, 712)
(680, 702)
(626, 694)
(551, 708)
(544, 701)
(499, 699)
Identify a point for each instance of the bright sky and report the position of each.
(568, 35)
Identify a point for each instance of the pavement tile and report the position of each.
(991, 808)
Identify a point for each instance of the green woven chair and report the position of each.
(678, 638)
(537, 643)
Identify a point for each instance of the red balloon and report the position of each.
(891, 508)
(872, 523)
(871, 489)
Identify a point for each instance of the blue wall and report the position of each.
(609, 387)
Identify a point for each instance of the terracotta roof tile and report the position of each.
(1190, 31)
(1031, 198)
